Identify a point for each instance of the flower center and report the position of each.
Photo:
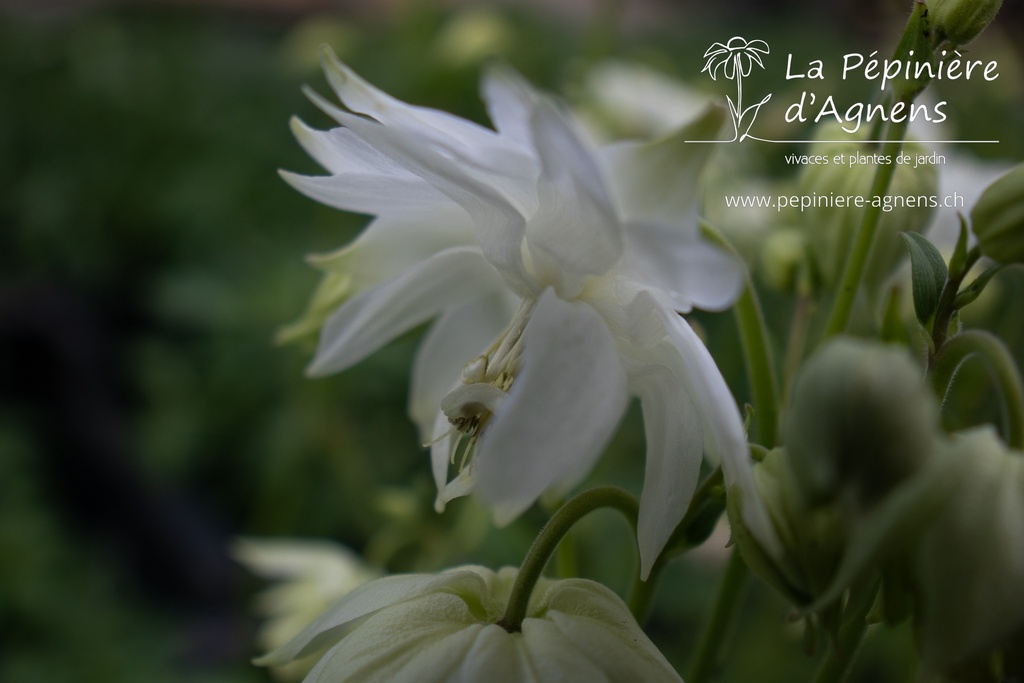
(486, 381)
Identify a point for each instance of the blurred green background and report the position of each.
(149, 251)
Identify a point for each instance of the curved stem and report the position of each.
(857, 261)
(547, 540)
(757, 353)
(1007, 376)
(705, 659)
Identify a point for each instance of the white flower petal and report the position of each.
(395, 242)
(472, 399)
(339, 150)
(423, 645)
(497, 657)
(564, 405)
(575, 630)
(378, 315)
(575, 232)
(499, 223)
(462, 485)
(391, 244)
(369, 194)
(688, 270)
(675, 443)
(510, 102)
(458, 336)
(367, 599)
(495, 160)
(659, 180)
(273, 558)
(595, 624)
(362, 98)
(724, 438)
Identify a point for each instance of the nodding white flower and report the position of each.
(432, 628)
(555, 272)
(308, 576)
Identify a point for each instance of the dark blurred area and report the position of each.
(148, 253)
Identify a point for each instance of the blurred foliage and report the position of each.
(145, 237)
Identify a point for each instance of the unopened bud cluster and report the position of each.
(868, 484)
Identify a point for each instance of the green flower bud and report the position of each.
(970, 562)
(861, 421)
(831, 229)
(812, 539)
(782, 253)
(434, 628)
(998, 218)
(960, 21)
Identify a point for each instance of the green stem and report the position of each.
(642, 593)
(945, 310)
(839, 662)
(547, 540)
(756, 350)
(858, 259)
(1004, 370)
(729, 592)
(795, 348)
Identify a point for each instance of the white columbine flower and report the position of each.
(434, 628)
(555, 272)
(309, 576)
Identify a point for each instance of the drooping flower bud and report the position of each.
(434, 628)
(861, 422)
(998, 218)
(782, 254)
(812, 539)
(970, 563)
(831, 228)
(960, 21)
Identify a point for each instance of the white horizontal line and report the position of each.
(863, 142)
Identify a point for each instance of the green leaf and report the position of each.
(974, 290)
(959, 258)
(928, 273)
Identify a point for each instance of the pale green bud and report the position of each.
(435, 628)
(970, 562)
(812, 539)
(861, 421)
(473, 35)
(831, 229)
(782, 254)
(960, 21)
(998, 218)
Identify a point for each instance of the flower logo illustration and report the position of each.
(735, 59)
